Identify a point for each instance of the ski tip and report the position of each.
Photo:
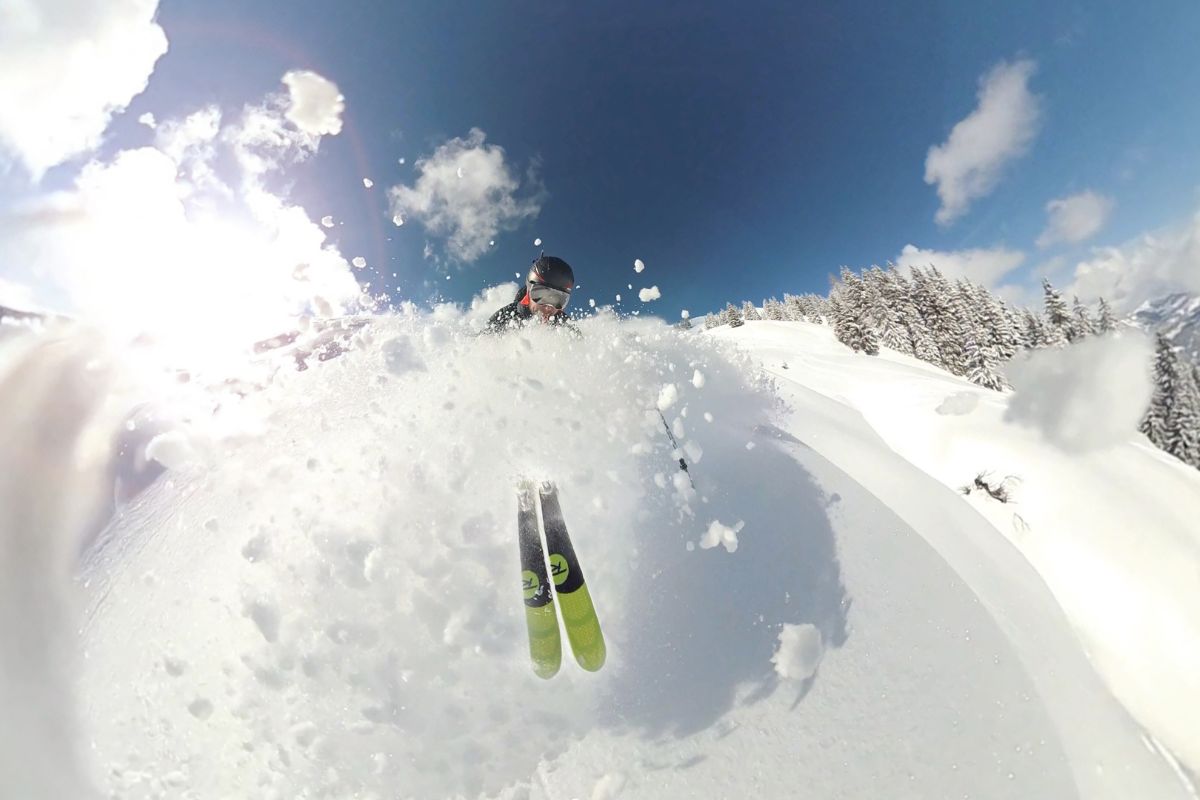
(592, 662)
(546, 671)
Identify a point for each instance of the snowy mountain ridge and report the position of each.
(319, 599)
(1176, 316)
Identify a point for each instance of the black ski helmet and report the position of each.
(552, 272)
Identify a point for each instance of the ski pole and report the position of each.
(674, 444)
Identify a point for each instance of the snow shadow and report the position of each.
(701, 625)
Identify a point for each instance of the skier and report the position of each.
(546, 292)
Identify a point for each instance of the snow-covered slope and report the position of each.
(320, 598)
(1112, 532)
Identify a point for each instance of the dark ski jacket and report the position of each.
(517, 313)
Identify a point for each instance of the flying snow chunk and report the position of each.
(667, 396)
(698, 379)
(685, 314)
(367, 182)
(402, 161)
(492, 243)
(718, 534)
(148, 120)
(327, 221)
(799, 652)
(592, 302)
(638, 266)
(315, 104)
(459, 172)
(170, 449)
(397, 220)
(537, 242)
(1069, 396)
(359, 262)
(646, 295)
(629, 286)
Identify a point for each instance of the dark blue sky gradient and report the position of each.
(741, 150)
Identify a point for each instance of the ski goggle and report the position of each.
(545, 295)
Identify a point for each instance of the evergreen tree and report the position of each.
(848, 324)
(711, 321)
(773, 309)
(882, 315)
(1057, 316)
(684, 324)
(1166, 381)
(1183, 422)
(733, 315)
(1107, 321)
(1035, 333)
(749, 312)
(793, 309)
(981, 365)
(1082, 321)
(1016, 322)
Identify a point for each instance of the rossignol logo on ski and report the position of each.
(530, 584)
(559, 569)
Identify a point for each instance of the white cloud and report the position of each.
(469, 210)
(66, 66)
(1069, 394)
(1148, 267)
(968, 164)
(142, 244)
(315, 104)
(1075, 218)
(983, 266)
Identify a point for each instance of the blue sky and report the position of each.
(741, 150)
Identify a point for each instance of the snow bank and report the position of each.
(334, 605)
(1111, 533)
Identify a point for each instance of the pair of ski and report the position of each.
(574, 600)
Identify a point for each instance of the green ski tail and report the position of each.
(545, 645)
(579, 614)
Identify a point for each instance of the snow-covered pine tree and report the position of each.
(982, 365)
(996, 320)
(1057, 316)
(1016, 322)
(882, 315)
(793, 309)
(733, 315)
(711, 321)
(684, 324)
(1106, 322)
(1166, 381)
(773, 309)
(1082, 320)
(1034, 329)
(1183, 422)
(848, 324)
(823, 314)
(749, 312)
(924, 304)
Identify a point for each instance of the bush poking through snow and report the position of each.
(1002, 490)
